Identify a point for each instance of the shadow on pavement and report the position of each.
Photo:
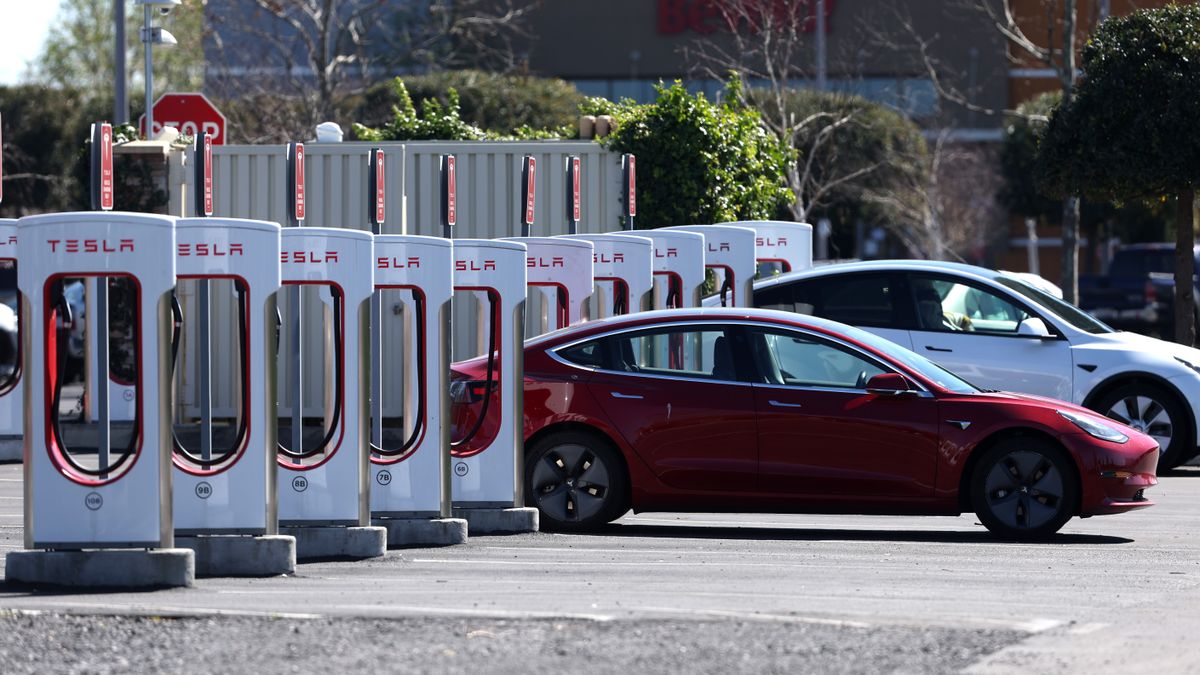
(833, 534)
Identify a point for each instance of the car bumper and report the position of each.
(1114, 478)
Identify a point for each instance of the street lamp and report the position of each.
(151, 36)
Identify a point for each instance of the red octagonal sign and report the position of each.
(190, 113)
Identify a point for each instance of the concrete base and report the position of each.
(12, 450)
(106, 568)
(499, 521)
(423, 531)
(241, 556)
(337, 542)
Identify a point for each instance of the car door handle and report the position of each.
(617, 394)
(937, 349)
(782, 404)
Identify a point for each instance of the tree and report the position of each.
(78, 52)
(766, 45)
(1058, 52)
(698, 161)
(1129, 132)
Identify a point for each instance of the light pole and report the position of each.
(154, 36)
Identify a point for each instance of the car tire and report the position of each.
(577, 481)
(1154, 411)
(1024, 488)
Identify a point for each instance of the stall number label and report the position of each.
(93, 501)
(383, 477)
(299, 483)
(203, 490)
(461, 469)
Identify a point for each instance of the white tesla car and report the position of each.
(1002, 333)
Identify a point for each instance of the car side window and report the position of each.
(704, 353)
(797, 359)
(798, 297)
(948, 305)
(588, 354)
(860, 300)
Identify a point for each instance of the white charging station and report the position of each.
(729, 252)
(323, 491)
(678, 268)
(230, 489)
(781, 246)
(410, 479)
(11, 405)
(97, 486)
(488, 460)
(561, 270)
(622, 269)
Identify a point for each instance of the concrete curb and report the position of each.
(500, 521)
(107, 568)
(241, 556)
(337, 542)
(423, 532)
(12, 449)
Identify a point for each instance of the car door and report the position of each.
(679, 399)
(823, 435)
(972, 330)
(873, 301)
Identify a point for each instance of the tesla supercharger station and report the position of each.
(227, 486)
(105, 486)
(560, 269)
(487, 464)
(729, 252)
(781, 246)
(323, 491)
(678, 268)
(622, 269)
(11, 405)
(410, 478)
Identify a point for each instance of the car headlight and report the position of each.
(1094, 427)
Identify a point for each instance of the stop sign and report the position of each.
(190, 113)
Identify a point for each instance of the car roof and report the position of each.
(881, 266)
(660, 316)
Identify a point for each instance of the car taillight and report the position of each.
(1150, 293)
(468, 391)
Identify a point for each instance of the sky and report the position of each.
(23, 27)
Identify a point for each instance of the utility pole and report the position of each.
(120, 76)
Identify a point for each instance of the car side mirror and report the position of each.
(888, 384)
(1033, 327)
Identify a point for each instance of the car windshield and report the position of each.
(1069, 313)
(913, 361)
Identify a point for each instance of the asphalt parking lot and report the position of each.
(695, 593)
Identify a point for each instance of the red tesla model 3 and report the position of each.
(745, 410)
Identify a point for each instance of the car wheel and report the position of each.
(1155, 412)
(1024, 489)
(577, 482)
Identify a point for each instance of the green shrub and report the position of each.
(497, 103)
(436, 122)
(699, 161)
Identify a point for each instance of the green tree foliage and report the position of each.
(498, 103)
(699, 161)
(436, 122)
(1130, 131)
(78, 51)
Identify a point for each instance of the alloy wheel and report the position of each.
(570, 483)
(1147, 416)
(1024, 490)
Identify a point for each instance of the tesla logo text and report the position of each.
(555, 261)
(723, 246)
(216, 250)
(606, 258)
(301, 257)
(397, 263)
(91, 245)
(767, 241)
(12, 241)
(671, 253)
(474, 265)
